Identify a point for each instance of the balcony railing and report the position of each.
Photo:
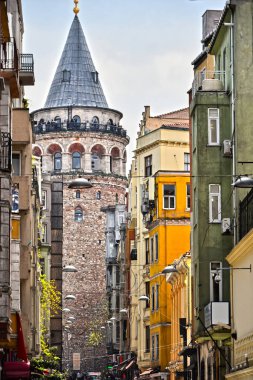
(73, 126)
(26, 63)
(246, 214)
(5, 152)
(209, 81)
(8, 56)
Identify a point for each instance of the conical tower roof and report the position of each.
(76, 80)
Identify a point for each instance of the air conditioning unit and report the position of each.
(227, 149)
(226, 226)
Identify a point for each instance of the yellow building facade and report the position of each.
(161, 169)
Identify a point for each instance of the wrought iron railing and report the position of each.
(8, 55)
(246, 214)
(203, 75)
(5, 151)
(73, 126)
(26, 63)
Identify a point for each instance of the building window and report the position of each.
(44, 199)
(147, 336)
(169, 197)
(213, 126)
(147, 251)
(44, 234)
(151, 250)
(78, 194)
(57, 161)
(153, 298)
(156, 248)
(147, 285)
(187, 162)
(215, 283)
(16, 164)
(157, 297)
(98, 195)
(148, 166)
(157, 346)
(76, 160)
(153, 348)
(214, 204)
(94, 75)
(188, 196)
(78, 214)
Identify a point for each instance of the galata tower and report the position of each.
(79, 139)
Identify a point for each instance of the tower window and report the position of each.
(78, 194)
(76, 160)
(66, 74)
(57, 161)
(78, 214)
(98, 195)
(95, 120)
(94, 75)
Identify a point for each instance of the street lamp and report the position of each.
(70, 297)
(169, 269)
(243, 182)
(217, 277)
(80, 183)
(69, 269)
(144, 298)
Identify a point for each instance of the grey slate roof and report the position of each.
(76, 81)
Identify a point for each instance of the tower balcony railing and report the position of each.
(69, 126)
(209, 81)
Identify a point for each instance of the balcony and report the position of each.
(69, 126)
(9, 65)
(5, 152)
(217, 315)
(26, 70)
(209, 81)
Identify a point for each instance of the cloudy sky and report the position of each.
(142, 49)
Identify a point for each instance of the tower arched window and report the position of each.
(78, 194)
(98, 195)
(78, 214)
(77, 119)
(95, 120)
(76, 160)
(57, 161)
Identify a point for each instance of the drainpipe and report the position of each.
(231, 25)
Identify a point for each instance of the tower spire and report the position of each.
(76, 9)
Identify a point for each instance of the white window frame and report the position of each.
(217, 120)
(169, 197)
(187, 162)
(213, 273)
(211, 195)
(44, 238)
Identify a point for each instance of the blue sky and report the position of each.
(142, 50)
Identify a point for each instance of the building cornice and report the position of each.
(241, 249)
